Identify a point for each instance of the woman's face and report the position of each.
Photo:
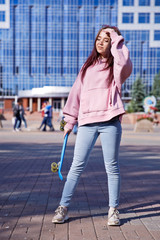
(103, 43)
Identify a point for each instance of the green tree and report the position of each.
(156, 89)
(138, 95)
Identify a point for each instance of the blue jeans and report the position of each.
(44, 122)
(110, 135)
(19, 122)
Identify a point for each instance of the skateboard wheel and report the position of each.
(62, 124)
(54, 167)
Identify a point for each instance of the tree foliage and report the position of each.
(156, 89)
(138, 95)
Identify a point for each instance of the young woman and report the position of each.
(95, 102)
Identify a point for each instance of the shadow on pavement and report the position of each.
(28, 187)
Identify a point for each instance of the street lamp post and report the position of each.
(142, 72)
(141, 59)
(110, 15)
(1, 113)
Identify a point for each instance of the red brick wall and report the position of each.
(34, 108)
(8, 104)
(25, 103)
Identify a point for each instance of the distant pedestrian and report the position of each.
(22, 116)
(16, 116)
(75, 128)
(44, 120)
(50, 116)
(95, 103)
(60, 117)
(47, 119)
(42, 109)
(1, 117)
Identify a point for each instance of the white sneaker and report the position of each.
(60, 215)
(113, 217)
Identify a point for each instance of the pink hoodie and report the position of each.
(92, 100)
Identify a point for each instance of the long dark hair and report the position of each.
(93, 57)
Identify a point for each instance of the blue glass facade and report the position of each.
(2, 16)
(48, 41)
(128, 18)
(128, 2)
(157, 18)
(144, 2)
(144, 18)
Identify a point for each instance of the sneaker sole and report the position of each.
(113, 224)
(56, 221)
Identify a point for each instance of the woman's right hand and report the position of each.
(66, 130)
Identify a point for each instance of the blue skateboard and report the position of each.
(57, 167)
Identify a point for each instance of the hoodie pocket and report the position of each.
(95, 100)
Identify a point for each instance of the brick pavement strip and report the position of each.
(30, 192)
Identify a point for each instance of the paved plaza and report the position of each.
(29, 191)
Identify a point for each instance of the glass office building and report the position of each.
(43, 43)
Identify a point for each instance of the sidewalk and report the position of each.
(29, 191)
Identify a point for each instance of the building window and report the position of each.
(112, 2)
(157, 18)
(157, 35)
(80, 2)
(128, 2)
(144, 18)
(2, 16)
(2, 1)
(157, 2)
(17, 70)
(1, 104)
(128, 17)
(144, 2)
(57, 105)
